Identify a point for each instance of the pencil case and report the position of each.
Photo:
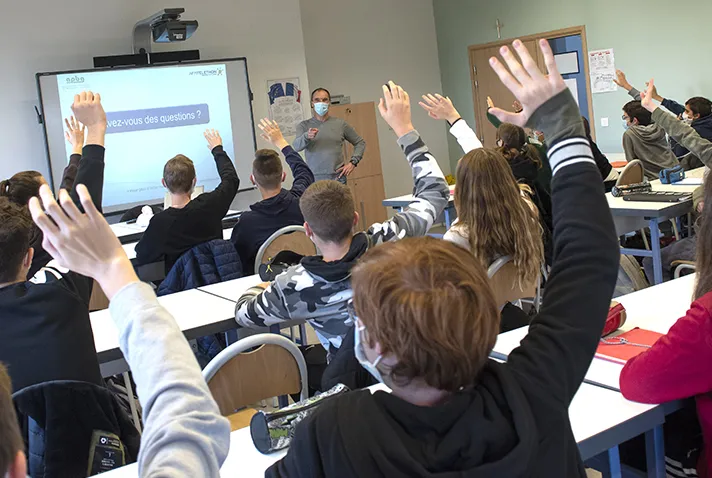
(672, 175)
(620, 191)
(616, 318)
(273, 431)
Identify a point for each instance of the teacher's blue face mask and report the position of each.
(321, 108)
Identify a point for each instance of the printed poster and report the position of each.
(285, 104)
(602, 68)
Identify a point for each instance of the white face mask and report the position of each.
(361, 354)
(686, 118)
(321, 108)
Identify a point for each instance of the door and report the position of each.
(368, 194)
(486, 83)
(362, 117)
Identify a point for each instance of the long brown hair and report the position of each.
(515, 144)
(21, 187)
(704, 244)
(499, 222)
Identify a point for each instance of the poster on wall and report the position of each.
(285, 104)
(602, 68)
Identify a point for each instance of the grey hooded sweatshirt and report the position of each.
(648, 144)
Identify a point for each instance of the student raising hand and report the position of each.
(647, 96)
(212, 136)
(395, 109)
(272, 133)
(75, 134)
(440, 108)
(526, 82)
(88, 111)
(83, 243)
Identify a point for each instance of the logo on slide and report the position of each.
(211, 72)
(76, 79)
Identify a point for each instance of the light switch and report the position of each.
(604, 122)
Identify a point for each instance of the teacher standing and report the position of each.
(323, 137)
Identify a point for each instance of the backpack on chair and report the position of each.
(630, 277)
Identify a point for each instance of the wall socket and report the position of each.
(604, 122)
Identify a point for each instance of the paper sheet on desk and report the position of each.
(689, 182)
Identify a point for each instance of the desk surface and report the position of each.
(597, 416)
(232, 290)
(196, 313)
(122, 229)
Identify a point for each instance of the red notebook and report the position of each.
(621, 352)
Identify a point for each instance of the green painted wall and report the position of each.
(667, 40)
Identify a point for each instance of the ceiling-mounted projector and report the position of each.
(162, 27)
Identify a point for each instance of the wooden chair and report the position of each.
(290, 238)
(634, 173)
(504, 278)
(239, 376)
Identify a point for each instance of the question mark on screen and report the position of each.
(199, 113)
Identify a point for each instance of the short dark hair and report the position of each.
(635, 110)
(15, 234)
(267, 169)
(328, 208)
(11, 441)
(21, 187)
(179, 173)
(320, 89)
(700, 106)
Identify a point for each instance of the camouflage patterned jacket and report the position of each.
(301, 293)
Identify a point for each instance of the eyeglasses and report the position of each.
(624, 118)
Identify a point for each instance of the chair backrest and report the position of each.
(504, 278)
(633, 173)
(290, 238)
(239, 376)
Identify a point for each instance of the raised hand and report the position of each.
(88, 110)
(395, 109)
(517, 106)
(622, 81)
(647, 96)
(272, 133)
(212, 136)
(311, 134)
(74, 134)
(490, 103)
(83, 243)
(526, 82)
(439, 107)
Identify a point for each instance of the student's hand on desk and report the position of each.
(622, 81)
(346, 169)
(439, 108)
(526, 82)
(83, 243)
(213, 138)
(395, 109)
(74, 134)
(88, 111)
(272, 133)
(646, 97)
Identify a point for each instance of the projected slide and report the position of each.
(154, 114)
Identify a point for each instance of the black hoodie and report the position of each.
(270, 215)
(514, 422)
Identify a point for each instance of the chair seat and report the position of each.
(241, 419)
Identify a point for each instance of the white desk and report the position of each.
(196, 313)
(401, 202)
(630, 216)
(232, 290)
(600, 420)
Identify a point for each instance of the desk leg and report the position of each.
(447, 217)
(655, 248)
(613, 465)
(655, 452)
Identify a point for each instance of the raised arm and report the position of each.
(564, 335)
(184, 433)
(223, 195)
(302, 174)
(431, 194)
(89, 112)
(680, 131)
(75, 136)
(441, 108)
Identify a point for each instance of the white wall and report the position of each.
(67, 35)
(353, 47)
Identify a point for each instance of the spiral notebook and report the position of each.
(623, 347)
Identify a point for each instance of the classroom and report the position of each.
(395, 238)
